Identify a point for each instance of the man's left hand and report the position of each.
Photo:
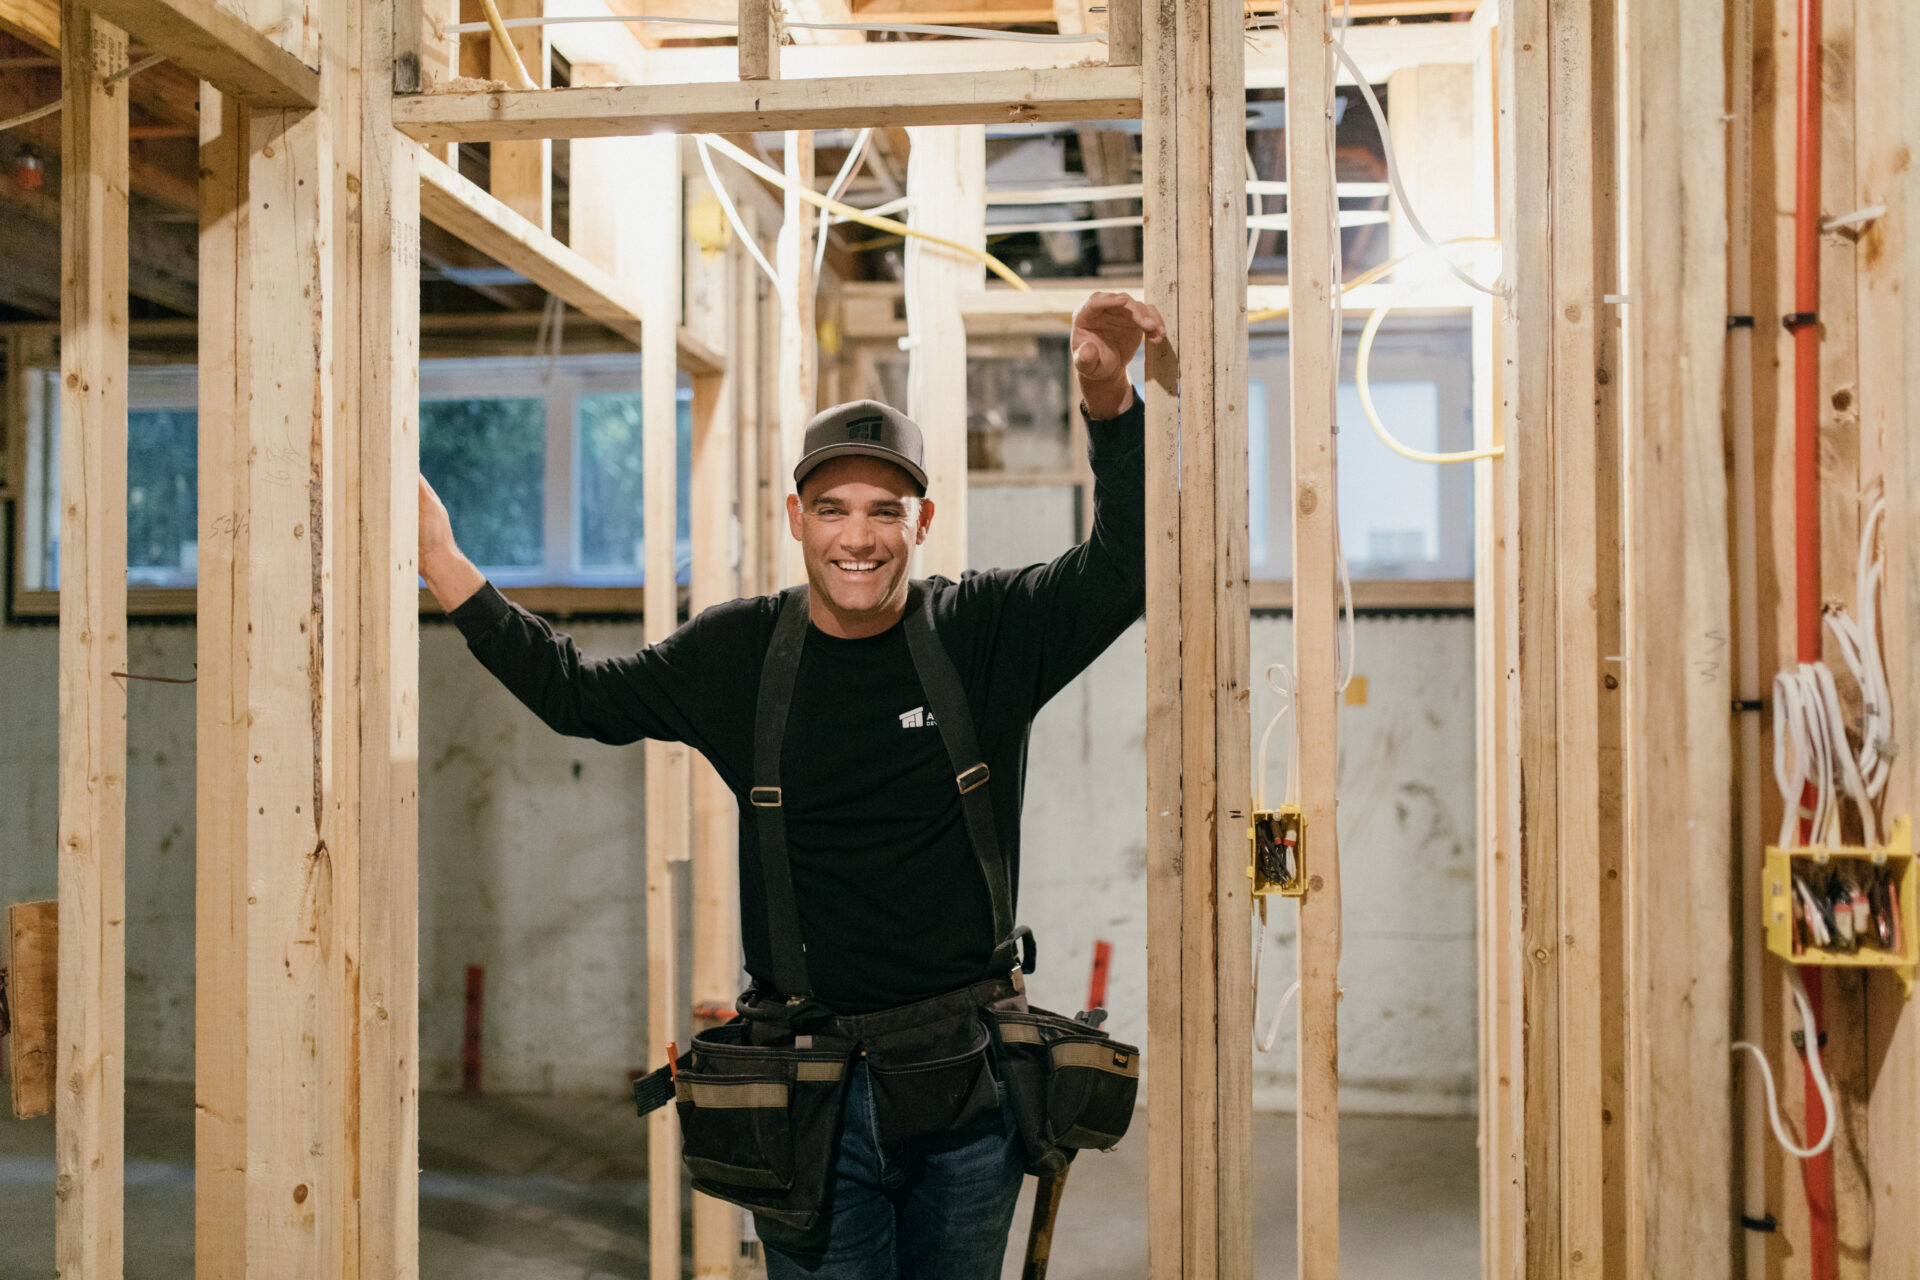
(1107, 331)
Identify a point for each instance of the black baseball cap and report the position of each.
(864, 428)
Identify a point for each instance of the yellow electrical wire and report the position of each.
(1363, 357)
(505, 42)
(847, 213)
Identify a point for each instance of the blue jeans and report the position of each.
(936, 1208)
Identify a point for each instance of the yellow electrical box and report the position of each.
(1279, 852)
(1794, 873)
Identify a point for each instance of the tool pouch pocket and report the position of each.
(1073, 1087)
(933, 1078)
(760, 1124)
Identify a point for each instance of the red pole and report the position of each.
(1817, 1173)
(1097, 984)
(470, 1037)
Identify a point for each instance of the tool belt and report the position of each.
(760, 1098)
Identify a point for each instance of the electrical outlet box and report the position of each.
(1778, 893)
(1279, 852)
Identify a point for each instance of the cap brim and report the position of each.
(863, 449)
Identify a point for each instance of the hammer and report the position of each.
(1046, 1211)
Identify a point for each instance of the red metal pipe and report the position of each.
(1817, 1173)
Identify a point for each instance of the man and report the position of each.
(893, 906)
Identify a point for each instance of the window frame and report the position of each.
(32, 346)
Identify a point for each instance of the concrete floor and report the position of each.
(555, 1189)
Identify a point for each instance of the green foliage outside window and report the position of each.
(487, 460)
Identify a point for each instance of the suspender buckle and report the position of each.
(973, 779)
(765, 797)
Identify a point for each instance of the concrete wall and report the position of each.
(532, 857)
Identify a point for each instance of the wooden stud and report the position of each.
(659, 160)
(223, 613)
(215, 44)
(759, 40)
(1071, 93)
(1123, 33)
(1889, 327)
(799, 347)
(521, 172)
(91, 1055)
(1679, 675)
(947, 183)
(33, 991)
(1314, 362)
(375, 818)
(1199, 1091)
(716, 868)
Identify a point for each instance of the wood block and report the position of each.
(32, 969)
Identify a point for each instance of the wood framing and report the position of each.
(798, 364)
(1075, 93)
(946, 181)
(520, 172)
(1199, 992)
(32, 957)
(1680, 673)
(1889, 324)
(90, 1060)
(1314, 363)
(666, 768)
(452, 202)
(759, 40)
(716, 978)
(215, 44)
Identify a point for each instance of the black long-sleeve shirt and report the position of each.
(893, 905)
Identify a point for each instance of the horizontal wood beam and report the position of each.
(1378, 50)
(461, 208)
(1073, 93)
(213, 44)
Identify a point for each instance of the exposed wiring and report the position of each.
(505, 42)
(909, 28)
(733, 216)
(41, 113)
(1284, 687)
(1361, 383)
(847, 213)
(1393, 167)
(856, 155)
(1815, 1070)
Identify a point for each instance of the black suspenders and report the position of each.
(946, 700)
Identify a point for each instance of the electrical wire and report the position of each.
(505, 43)
(847, 213)
(1393, 167)
(1361, 383)
(733, 216)
(856, 156)
(1818, 1072)
(908, 28)
(41, 113)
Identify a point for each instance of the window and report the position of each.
(1399, 519)
(538, 461)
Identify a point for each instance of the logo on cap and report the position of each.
(865, 428)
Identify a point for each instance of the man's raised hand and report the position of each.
(1107, 331)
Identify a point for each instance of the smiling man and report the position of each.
(874, 891)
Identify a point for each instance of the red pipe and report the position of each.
(1817, 1173)
(470, 1033)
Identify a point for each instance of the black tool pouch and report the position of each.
(1073, 1086)
(760, 1124)
(933, 1078)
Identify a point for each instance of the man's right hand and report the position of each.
(449, 575)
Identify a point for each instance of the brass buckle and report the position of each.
(759, 796)
(976, 783)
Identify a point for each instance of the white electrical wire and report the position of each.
(1820, 1082)
(1393, 166)
(733, 216)
(1284, 687)
(856, 155)
(910, 28)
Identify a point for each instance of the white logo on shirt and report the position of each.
(918, 718)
